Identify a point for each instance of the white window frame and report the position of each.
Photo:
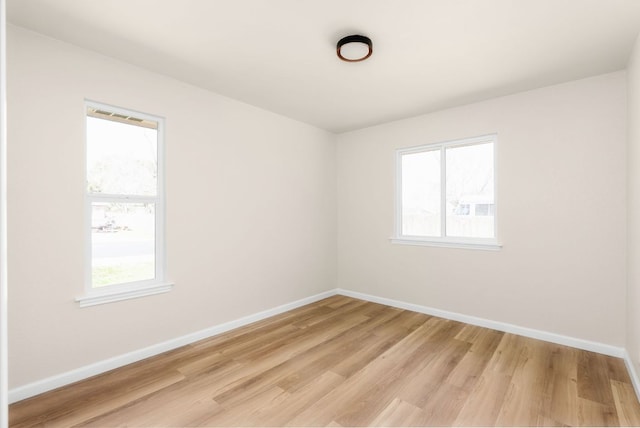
(130, 290)
(443, 240)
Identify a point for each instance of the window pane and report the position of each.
(122, 243)
(121, 158)
(421, 194)
(470, 191)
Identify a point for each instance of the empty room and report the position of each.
(320, 213)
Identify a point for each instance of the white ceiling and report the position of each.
(280, 54)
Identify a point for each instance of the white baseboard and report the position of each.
(85, 372)
(81, 373)
(586, 345)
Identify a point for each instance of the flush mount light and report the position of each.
(354, 48)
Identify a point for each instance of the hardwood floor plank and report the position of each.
(158, 407)
(507, 354)
(409, 364)
(347, 362)
(285, 411)
(98, 403)
(482, 408)
(304, 367)
(442, 407)
(381, 339)
(469, 333)
(483, 345)
(525, 397)
(617, 370)
(624, 398)
(252, 407)
(254, 364)
(591, 413)
(593, 371)
(180, 411)
(301, 399)
(368, 391)
(398, 413)
(438, 363)
(544, 421)
(562, 394)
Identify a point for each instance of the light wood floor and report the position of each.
(345, 362)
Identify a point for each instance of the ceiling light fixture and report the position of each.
(354, 48)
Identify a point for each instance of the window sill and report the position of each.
(109, 296)
(487, 246)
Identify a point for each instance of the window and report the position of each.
(446, 194)
(124, 205)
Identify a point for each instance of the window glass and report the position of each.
(470, 182)
(421, 194)
(122, 243)
(121, 158)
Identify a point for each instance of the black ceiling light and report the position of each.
(354, 48)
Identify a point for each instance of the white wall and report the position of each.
(4, 367)
(251, 202)
(561, 189)
(633, 208)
